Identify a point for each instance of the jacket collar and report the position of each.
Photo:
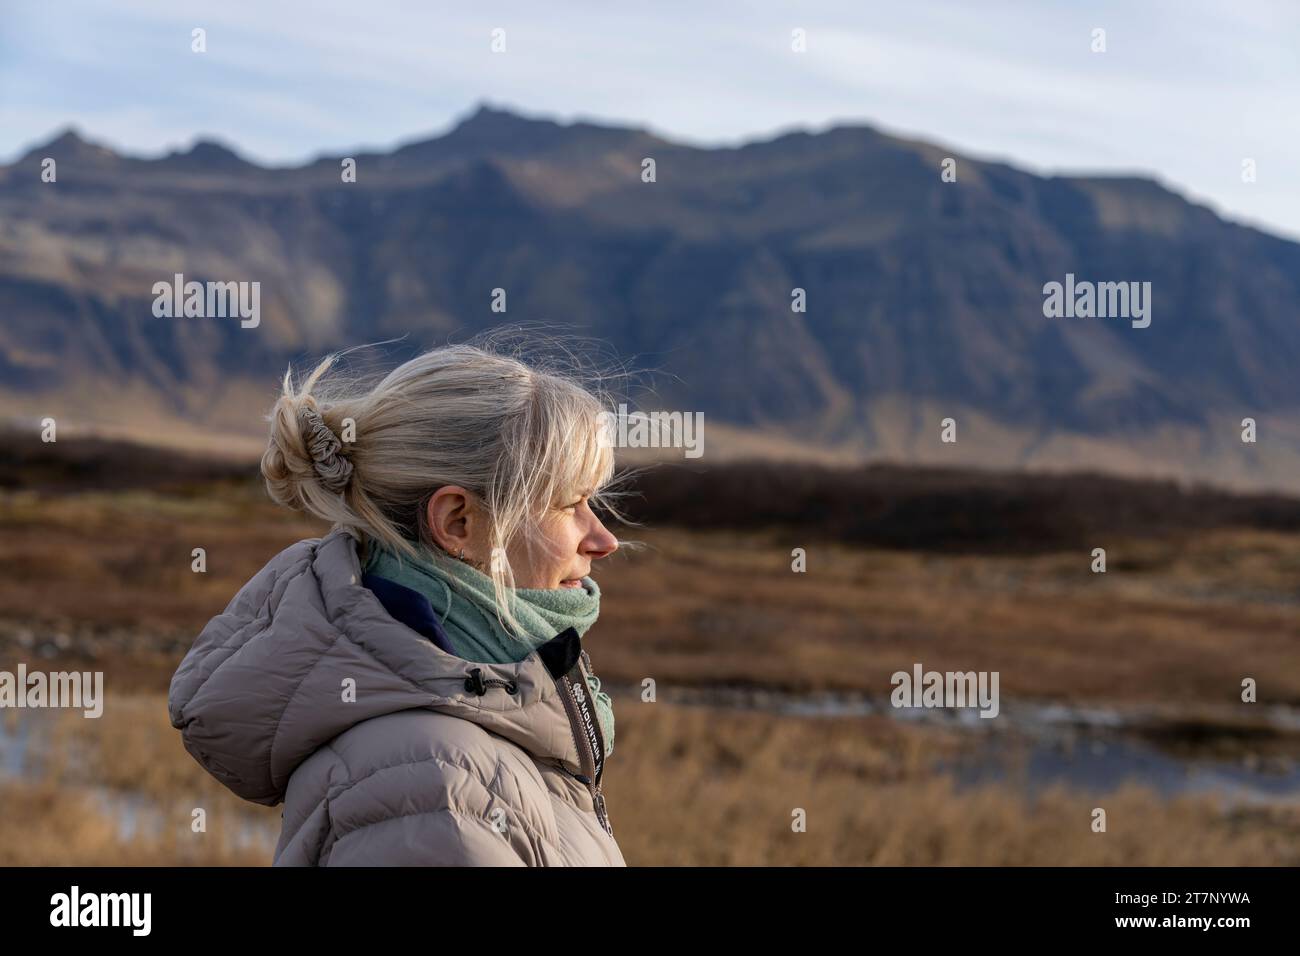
(534, 717)
(410, 607)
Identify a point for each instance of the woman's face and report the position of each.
(570, 539)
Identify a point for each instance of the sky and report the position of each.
(1185, 90)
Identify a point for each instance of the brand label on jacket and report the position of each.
(590, 723)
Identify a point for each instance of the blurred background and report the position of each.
(505, 148)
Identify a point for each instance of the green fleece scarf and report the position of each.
(463, 598)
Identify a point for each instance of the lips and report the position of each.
(571, 583)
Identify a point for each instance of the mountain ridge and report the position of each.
(924, 298)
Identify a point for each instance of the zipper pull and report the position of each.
(601, 814)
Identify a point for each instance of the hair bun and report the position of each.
(330, 464)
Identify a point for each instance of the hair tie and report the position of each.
(331, 466)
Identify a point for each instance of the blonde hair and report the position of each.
(368, 458)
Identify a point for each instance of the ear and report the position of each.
(453, 516)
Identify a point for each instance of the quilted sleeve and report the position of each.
(430, 812)
(443, 837)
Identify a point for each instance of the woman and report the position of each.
(413, 684)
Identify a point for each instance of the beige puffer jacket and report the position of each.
(386, 750)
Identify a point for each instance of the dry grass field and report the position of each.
(102, 580)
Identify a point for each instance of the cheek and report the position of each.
(558, 541)
(564, 539)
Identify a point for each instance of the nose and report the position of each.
(599, 543)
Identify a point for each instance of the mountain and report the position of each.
(924, 298)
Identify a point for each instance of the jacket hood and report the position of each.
(304, 651)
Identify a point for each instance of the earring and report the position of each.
(470, 561)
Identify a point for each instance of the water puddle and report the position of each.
(1097, 749)
(24, 747)
(1104, 763)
